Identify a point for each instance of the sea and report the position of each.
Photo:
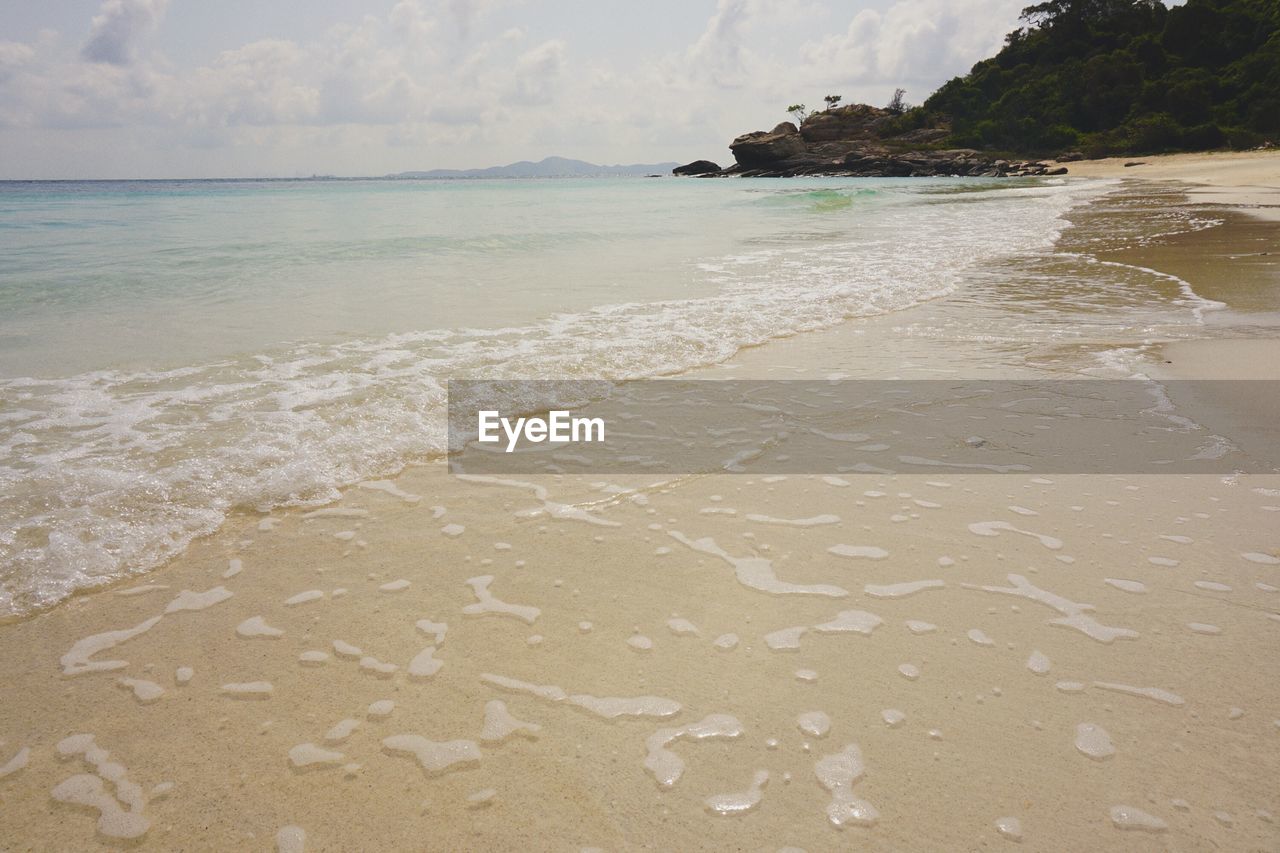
(175, 351)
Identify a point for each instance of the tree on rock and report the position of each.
(799, 111)
(833, 101)
(898, 103)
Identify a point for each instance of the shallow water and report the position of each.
(170, 351)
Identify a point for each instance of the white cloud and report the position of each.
(118, 27)
(913, 41)
(449, 83)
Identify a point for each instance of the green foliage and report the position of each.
(1121, 77)
(799, 112)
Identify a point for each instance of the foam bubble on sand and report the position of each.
(977, 637)
(248, 689)
(864, 552)
(291, 839)
(1038, 663)
(1204, 628)
(740, 803)
(1212, 586)
(267, 525)
(838, 482)
(142, 590)
(303, 597)
(391, 489)
(314, 657)
(435, 756)
(119, 815)
(901, 590)
(814, 723)
(234, 567)
(395, 586)
(256, 626)
(17, 762)
(481, 798)
(557, 511)
(1155, 693)
(726, 642)
(1167, 562)
(308, 755)
(1136, 587)
(814, 521)
(336, 512)
(666, 766)
(188, 600)
(892, 717)
(1010, 828)
(79, 659)
(1071, 686)
(838, 773)
(1266, 587)
(1261, 559)
(453, 530)
(380, 708)
(345, 650)
(379, 668)
(1129, 817)
(424, 664)
(756, 572)
(909, 671)
(785, 639)
(851, 621)
(89, 791)
(916, 626)
(640, 643)
(607, 707)
(1075, 614)
(489, 604)
(341, 730)
(682, 627)
(806, 675)
(499, 724)
(183, 675)
(993, 528)
(1094, 741)
(435, 629)
(144, 691)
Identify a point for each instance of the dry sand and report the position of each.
(886, 662)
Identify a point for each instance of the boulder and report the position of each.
(762, 150)
(855, 121)
(697, 167)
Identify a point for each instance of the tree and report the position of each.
(799, 112)
(897, 104)
(833, 101)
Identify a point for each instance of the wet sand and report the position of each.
(718, 662)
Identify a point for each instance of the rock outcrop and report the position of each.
(697, 167)
(856, 140)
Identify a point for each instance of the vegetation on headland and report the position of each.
(1112, 77)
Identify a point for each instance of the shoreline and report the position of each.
(1047, 649)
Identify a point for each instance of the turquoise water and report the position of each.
(173, 351)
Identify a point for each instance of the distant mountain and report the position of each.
(551, 167)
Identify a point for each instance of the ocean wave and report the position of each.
(111, 473)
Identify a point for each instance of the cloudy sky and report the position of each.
(191, 88)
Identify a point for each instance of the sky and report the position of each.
(285, 88)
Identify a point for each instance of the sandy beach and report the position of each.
(838, 660)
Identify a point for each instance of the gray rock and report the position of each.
(697, 167)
